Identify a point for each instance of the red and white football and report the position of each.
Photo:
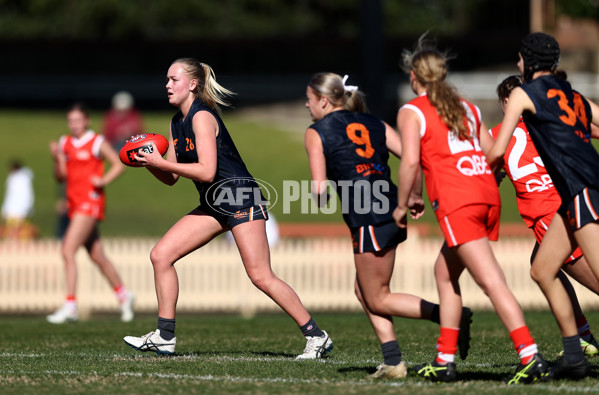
(142, 142)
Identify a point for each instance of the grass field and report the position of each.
(229, 354)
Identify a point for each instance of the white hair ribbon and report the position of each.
(348, 88)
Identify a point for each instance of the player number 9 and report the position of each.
(362, 139)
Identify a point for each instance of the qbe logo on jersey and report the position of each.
(468, 165)
(233, 194)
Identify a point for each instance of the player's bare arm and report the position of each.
(318, 168)
(594, 119)
(392, 140)
(518, 103)
(409, 131)
(166, 177)
(59, 162)
(416, 201)
(205, 129)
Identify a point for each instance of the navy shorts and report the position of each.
(239, 217)
(582, 210)
(372, 238)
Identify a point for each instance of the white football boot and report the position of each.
(316, 347)
(390, 371)
(152, 342)
(127, 308)
(66, 313)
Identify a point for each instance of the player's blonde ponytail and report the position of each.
(430, 68)
(210, 92)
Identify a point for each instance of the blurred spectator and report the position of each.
(121, 121)
(18, 202)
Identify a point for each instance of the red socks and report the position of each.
(524, 344)
(447, 345)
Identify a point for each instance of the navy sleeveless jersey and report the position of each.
(560, 131)
(356, 155)
(233, 187)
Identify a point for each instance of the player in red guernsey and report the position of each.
(83, 163)
(538, 201)
(440, 132)
(79, 161)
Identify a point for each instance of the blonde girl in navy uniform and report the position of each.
(201, 149)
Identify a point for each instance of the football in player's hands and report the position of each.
(142, 142)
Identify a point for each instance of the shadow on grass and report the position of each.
(352, 369)
(487, 375)
(483, 376)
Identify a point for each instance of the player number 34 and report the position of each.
(571, 113)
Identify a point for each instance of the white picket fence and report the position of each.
(212, 279)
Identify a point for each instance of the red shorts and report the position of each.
(91, 208)
(540, 228)
(470, 223)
